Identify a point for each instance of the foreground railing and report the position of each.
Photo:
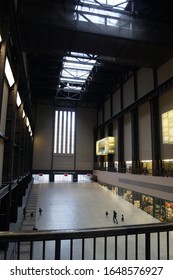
(148, 241)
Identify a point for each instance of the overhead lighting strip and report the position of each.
(9, 73)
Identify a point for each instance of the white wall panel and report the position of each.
(116, 102)
(145, 132)
(145, 81)
(128, 92)
(127, 138)
(107, 109)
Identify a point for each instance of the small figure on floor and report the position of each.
(24, 212)
(107, 214)
(40, 211)
(35, 228)
(115, 217)
(32, 215)
(122, 218)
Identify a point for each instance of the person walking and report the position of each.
(107, 214)
(115, 217)
(40, 211)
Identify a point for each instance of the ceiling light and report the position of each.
(23, 114)
(9, 73)
(0, 38)
(18, 100)
(27, 122)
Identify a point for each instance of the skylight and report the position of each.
(77, 66)
(100, 11)
(75, 71)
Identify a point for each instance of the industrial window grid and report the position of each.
(64, 132)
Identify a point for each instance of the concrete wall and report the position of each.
(144, 132)
(43, 157)
(43, 138)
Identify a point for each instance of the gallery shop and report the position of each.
(159, 208)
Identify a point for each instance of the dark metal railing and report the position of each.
(147, 241)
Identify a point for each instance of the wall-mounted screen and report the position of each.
(167, 127)
(105, 146)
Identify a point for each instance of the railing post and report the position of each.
(57, 249)
(147, 246)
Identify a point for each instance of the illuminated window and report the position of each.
(64, 132)
(9, 73)
(18, 100)
(167, 127)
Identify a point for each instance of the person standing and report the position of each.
(40, 211)
(115, 217)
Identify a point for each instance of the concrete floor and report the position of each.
(83, 205)
(68, 205)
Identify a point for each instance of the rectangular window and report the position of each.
(64, 132)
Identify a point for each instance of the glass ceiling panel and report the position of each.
(77, 66)
(76, 69)
(99, 11)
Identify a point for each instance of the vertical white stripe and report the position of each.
(68, 132)
(64, 132)
(60, 133)
(55, 132)
(73, 132)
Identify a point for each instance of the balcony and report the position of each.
(135, 242)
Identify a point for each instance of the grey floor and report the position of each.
(68, 205)
(82, 205)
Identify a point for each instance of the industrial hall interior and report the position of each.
(86, 129)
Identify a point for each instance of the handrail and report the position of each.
(84, 233)
(33, 239)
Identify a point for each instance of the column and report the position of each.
(155, 137)
(135, 142)
(121, 162)
(9, 146)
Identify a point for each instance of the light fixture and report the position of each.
(167, 127)
(18, 100)
(29, 126)
(9, 73)
(23, 114)
(0, 38)
(27, 122)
